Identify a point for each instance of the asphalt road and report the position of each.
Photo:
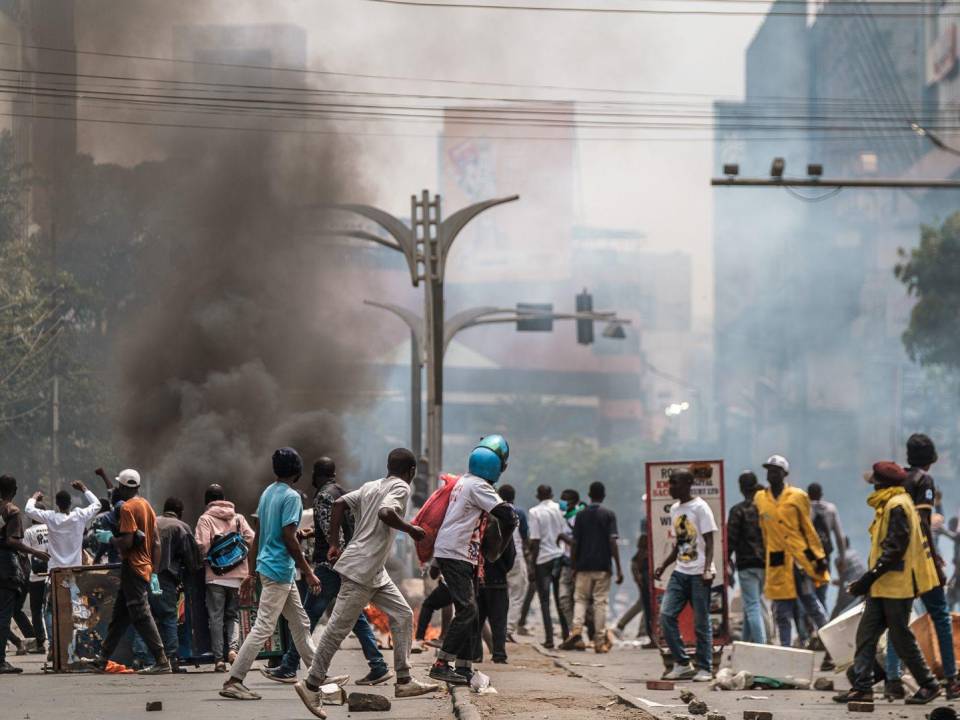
(36, 695)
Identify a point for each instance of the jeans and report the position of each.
(681, 589)
(528, 596)
(464, 632)
(316, 606)
(935, 601)
(132, 607)
(517, 583)
(223, 612)
(8, 605)
(351, 600)
(786, 611)
(164, 610)
(493, 604)
(751, 593)
(548, 575)
(436, 600)
(591, 586)
(881, 614)
(276, 599)
(38, 591)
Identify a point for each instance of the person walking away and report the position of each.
(14, 565)
(920, 486)
(517, 580)
(179, 559)
(327, 493)
(493, 596)
(901, 567)
(378, 508)
(570, 506)
(849, 568)
(546, 525)
(594, 546)
(220, 518)
(826, 521)
(35, 538)
(745, 543)
(795, 561)
(275, 556)
(458, 552)
(138, 543)
(639, 569)
(694, 532)
(438, 599)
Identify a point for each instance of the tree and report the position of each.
(931, 272)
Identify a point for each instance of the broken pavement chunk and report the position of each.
(659, 685)
(697, 707)
(860, 707)
(757, 715)
(364, 702)
(823, 684)
(687, 696)
(154, 706)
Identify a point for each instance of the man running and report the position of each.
(378, 508)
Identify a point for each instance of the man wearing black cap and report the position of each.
(921, 454)
(275, 556)
(901, 566)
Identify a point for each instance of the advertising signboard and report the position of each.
(708, 484)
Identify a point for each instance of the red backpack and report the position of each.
(430, 517)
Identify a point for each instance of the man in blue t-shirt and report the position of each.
(275, 556)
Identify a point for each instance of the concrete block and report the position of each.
(659, 685)
(788, 665)
(154, 706)
(860, 706)
(716, 716)
(757, 715)
(367, 702)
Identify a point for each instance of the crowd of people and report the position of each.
(488, 559)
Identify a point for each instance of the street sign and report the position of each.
(708, 484)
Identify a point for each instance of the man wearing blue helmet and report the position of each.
(457, 551)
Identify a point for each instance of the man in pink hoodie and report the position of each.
(223, 591)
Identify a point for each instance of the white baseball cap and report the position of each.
(129, 478)
(778, 461)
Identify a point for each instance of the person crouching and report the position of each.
(901, 568)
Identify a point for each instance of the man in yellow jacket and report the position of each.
(796, 563)
(901, 569)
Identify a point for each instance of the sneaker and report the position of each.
(414, 688)
(650, 645)
(159, 668)
(523, 632)
(547, 645)
(924, 695)
(894, 690)
(499, 661)
(953, 688)
(375, 677)
(220, 666)
(280, 675)
(681, 672)
(703, 676)
(313, 699)
(827, 665)
(573, 642)
(417, 647)
(444, 673)
(8, 669)
(853, 695)
(236, 690)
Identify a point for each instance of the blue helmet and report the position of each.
(485, 463)
(499, 445)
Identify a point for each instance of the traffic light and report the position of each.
(585, 327)
(535, 324)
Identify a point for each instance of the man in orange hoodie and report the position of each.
(223, 591)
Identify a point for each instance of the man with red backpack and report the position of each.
(473, 503)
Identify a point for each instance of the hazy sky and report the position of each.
(660, 188)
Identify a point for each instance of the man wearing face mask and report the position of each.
(796, 564)
(570, 506)
(473, 503)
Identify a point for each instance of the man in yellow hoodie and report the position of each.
(796, 564)
(901, 569)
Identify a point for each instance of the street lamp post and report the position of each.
(425, 246)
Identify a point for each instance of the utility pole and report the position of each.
(425, 246)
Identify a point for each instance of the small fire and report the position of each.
(380, 621)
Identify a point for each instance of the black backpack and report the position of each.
(227, 551)
(820, 525)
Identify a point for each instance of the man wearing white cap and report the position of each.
(138, 542)
(796, 563)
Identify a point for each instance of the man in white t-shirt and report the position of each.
(694, 530)
(547, 524)
(457, 551)
(65, 525)
(378, 508)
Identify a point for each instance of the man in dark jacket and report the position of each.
(745, 543)
(493, 593)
